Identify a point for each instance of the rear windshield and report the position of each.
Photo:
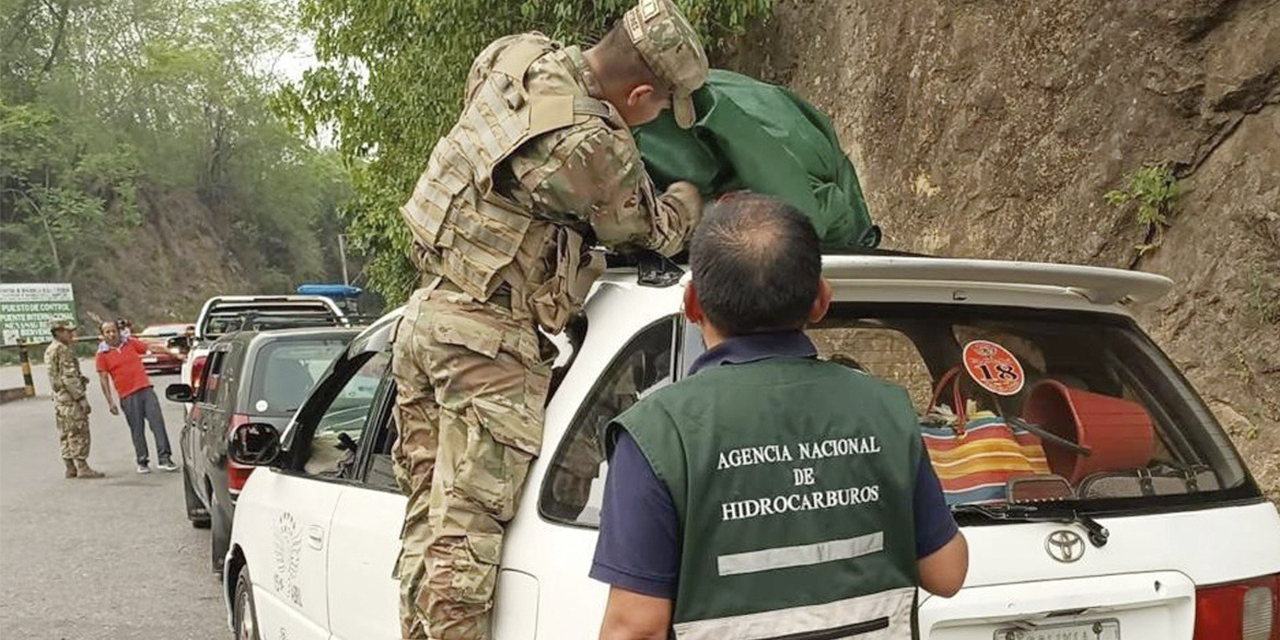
(284, 372)
(1030, 406)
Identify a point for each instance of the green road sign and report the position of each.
(27, 308)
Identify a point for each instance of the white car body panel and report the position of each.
(1145, 577)
(364, 542)
(290, 519)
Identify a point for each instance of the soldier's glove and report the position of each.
(84, 406)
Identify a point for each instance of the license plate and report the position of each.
(150, 360)
(1094, 630)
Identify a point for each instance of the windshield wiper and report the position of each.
(1098, 534)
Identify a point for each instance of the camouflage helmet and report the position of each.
(670, 46)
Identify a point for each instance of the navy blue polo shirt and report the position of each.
(639, 544)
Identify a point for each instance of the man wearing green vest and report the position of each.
(771, 494)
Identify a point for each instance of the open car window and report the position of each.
(573, 488)
(340, 427)
(1086, 399)
(323, 439)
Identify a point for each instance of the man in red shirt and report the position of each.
(121, 363)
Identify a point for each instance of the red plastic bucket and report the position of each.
(1118, 432)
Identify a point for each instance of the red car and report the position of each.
(163, 358)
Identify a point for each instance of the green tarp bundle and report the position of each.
(758, 136)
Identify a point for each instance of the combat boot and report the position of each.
(83, 470)
(71, 467)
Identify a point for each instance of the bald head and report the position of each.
(757, 265)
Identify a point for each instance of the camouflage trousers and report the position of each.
(73, 430)
(471, 384)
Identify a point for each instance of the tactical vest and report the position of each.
(793, 480)
(470, 234)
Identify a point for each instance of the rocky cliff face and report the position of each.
(993, 129)
(166, 268)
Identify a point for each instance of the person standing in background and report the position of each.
(70, 401)
(121, 364)
(125, 327)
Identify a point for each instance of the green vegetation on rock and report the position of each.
(1155, 190)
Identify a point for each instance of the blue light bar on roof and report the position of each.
(335, 291)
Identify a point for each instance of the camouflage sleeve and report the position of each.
(73, 382)
(595, 174)
(54, 368)
(64, 373)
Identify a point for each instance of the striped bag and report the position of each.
(975, 453)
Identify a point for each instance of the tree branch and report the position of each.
(57, 40)
(44, 220)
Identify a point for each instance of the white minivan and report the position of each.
(1163, 536)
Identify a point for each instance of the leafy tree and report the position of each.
(390, 85)
(102, 100)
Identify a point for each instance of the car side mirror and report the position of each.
(180, 344)
(179, 392)
(255, 444)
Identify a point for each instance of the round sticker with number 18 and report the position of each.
(993, 367)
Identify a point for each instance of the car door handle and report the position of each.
(315, 535)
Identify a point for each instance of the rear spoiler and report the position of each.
(1099, 285)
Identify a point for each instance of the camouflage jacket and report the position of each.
(68, 383)
(504, 201)
(590, 172)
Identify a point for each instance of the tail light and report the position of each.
(1246, 610)
(238, 474)
(197, 372)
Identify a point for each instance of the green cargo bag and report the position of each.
(762, 137)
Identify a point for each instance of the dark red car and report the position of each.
(164, 357)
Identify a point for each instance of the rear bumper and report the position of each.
(1158, 604)
(1145, 577)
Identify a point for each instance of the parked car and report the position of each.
(1168, 541)
(163, 358)
(224, 314)
(260, 377)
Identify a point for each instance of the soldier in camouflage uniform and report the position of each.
(540, 168)
(70, 402)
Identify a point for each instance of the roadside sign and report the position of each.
(27, 308)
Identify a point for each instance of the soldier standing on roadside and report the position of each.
(70, 402)
(539, 169)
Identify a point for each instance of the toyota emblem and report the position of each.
(1064, 546)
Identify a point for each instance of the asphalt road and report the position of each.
(109, 559)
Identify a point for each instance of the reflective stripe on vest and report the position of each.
(800, 555)
(885, 615)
